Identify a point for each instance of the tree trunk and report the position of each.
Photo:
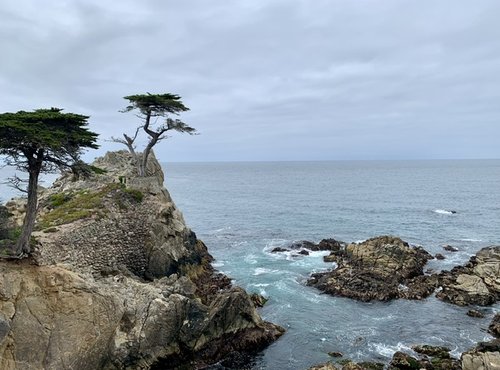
(23, 243)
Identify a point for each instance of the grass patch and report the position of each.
(71, 206)
(135, 194)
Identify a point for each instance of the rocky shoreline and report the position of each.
(118, 281)
(484, 356)
(386, 268)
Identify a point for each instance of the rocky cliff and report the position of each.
(118, 281)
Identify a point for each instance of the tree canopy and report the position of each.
(151, 107)
(42, 140)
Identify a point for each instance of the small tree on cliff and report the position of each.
(151, 107)
(41, 141)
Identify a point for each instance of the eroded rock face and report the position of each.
(381, 268)
(125, 286)
(485, 356)
(478, 282)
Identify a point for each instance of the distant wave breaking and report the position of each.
(444, 212)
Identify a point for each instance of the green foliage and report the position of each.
(4, 222)
(156, 104)
(73, 206)
(46, 135)
(56, 200)
(51, 230)
(135, 194)
(40, 141)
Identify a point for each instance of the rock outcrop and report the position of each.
(381, 268)
(118, 281)
(477, 282)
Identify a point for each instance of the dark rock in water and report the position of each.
(432, 351)
(371, 365)
(258, 300)
(452, 211)
(303, 244)
(335, 354)
(450, 248)
(477, 282)
(330, 245)
(323, 245)
(404, 361)
(304, 252)
(439, 256)
(325, 366)
(494, 328)
(475, 313)
(380, 268)
(279, 249)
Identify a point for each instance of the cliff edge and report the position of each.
(118, 281)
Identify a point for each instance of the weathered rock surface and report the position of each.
(477, 282)
(127, 285)
(485, 356)
(494, 328)
(381, 268)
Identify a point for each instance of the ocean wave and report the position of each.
(217, 264)
(444, 212)
(262, 270)
(470, 240)
(387, 350)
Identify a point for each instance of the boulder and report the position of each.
(477, 282)
(485, 356)
(494, 328)
(475, 313)
(450, 248)
(380, 268)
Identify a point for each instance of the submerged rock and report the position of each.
(475, 313)
(120, 282)
(381, 268)
(450, 248)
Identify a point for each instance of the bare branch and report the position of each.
(17, 183)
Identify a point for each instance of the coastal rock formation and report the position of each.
(381, 268)
(118, 281)
(494, 328)
(485, 356)
(477, 282)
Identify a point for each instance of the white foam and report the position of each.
(217, 231)
(443, 212)
(262, 270)
(217, 264)
(260, 285)
(470, 240)
(388, 350)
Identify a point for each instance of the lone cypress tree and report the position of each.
(41, 141)
(151, 107)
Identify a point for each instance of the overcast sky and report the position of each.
(268, 79)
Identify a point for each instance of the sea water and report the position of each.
(244, 210)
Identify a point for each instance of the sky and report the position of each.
(267, 80)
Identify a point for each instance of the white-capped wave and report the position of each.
(263, 270)
(444, 212)
(218, 264)
(470, 240)
(388, 350)
(260, 285)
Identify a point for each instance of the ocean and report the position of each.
(243, 210)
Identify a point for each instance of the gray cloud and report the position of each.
(268, 80)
